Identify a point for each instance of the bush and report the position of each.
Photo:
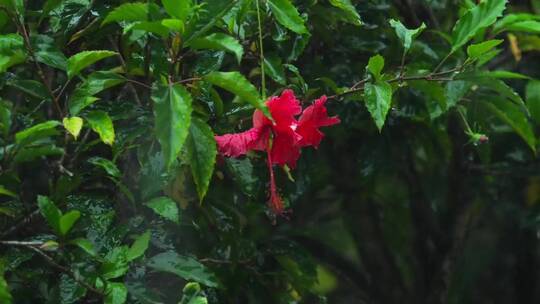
(132, 172)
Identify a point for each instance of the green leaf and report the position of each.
(476, 50)
(376, 65)
(5, 118)
(73, 125)
(10, 42)
(165, 207)
(243, 173)
(78, 103)
(7, 61)
(28, 154)
(500, 87)
(85, 245)
(527, 23)
(41, 130)
(68, 220)
(30, 87)
(155, 27)
(5, 295)
(51, 213)
(4, 191)
(94, 84)
(351, 15)
(512, 114)
(378, 98)
(47, 52)
(202, 151)
(12, 51)
(454, 91)
(499, 74)
(274, 68)
(116, 263)
(70, 290)
(287, 15)
(178, 8)
(139, 246)
(532, 93)
(102, 124)
(434, 95)
(79, 61)
(191, 294)
(528, 26)
(8, 211)
(476, 19)
(116, 293)
(236, 83)
(50, 5)
(173, 24)
(406, 35)
(184, 267)
(128, 12)
(107, 165)
(219, 41)
(218, 17)
(172, 111)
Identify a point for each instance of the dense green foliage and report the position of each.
(112, 190)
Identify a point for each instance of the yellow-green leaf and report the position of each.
(73, 125)
(4, 191)
(102, 124)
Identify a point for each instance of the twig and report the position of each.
(34, 246)
(21, 243)
(65, 270)
(40, 72)
(125, 67)
(193, 79)
(216, 261)
(361, 82)
(402, 65)
(20, 224)
(359, 86)
(64, 87)
(442, 62)
(138, 83)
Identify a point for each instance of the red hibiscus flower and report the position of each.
(281, 138)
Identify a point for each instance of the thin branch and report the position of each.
(216, 261)
(22, 243)
(435, 76)
(22, 223)
(193, 79)
(34, 246)
(66, 270)
(64, 87)
(41, 74)
(142, 84)
(442, 62)
(125, 67)
(402, 65)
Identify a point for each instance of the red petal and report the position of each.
(234, 145)
(314, 117)
(285, 148)
(283, 109)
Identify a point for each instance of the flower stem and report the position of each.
(263, 80)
